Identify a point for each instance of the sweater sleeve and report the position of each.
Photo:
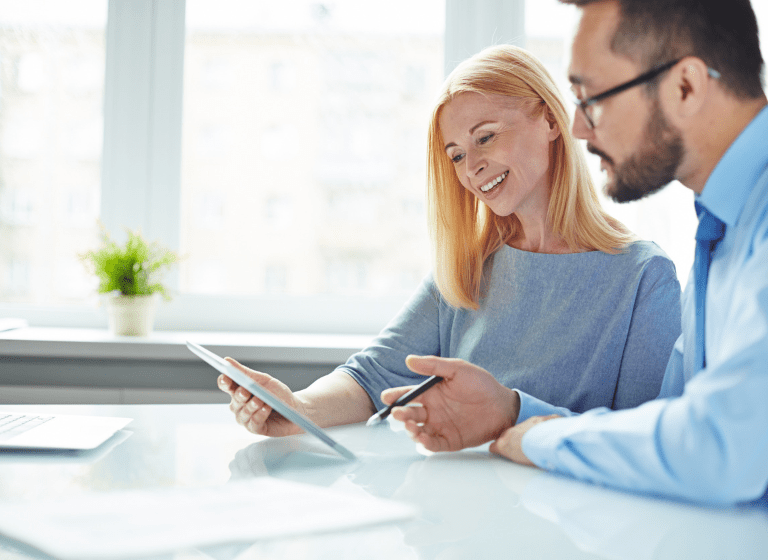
(655, 326)
(414, 330)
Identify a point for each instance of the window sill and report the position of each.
(82, 343)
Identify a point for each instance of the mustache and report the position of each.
(592, 150)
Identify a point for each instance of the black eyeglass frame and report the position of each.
(641, 79)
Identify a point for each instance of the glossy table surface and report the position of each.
(471, 504)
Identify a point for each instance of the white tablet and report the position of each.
(268, 398)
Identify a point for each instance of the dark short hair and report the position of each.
(722, 33)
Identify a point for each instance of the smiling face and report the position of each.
(638, 149)
(499, 152)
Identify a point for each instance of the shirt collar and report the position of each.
(730, 184)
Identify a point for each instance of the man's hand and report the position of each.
(468, 408)
(510, 443)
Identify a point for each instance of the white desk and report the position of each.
(472, 504)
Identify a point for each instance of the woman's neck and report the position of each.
(536, 236)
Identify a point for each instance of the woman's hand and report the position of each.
(468, 408)
(251, 412)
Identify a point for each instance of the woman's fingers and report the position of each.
(226, 384)
(245, 406)
(256, 422)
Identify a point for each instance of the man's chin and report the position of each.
(621, 192)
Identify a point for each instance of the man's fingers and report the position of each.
(431, 441)
(420, 364)
(388, 396)
(417, 434)
(417, 414)
(434, 365)
(510, 443)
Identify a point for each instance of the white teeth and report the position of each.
(492, 183)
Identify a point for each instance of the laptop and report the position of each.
(270, 399)
(28, 430)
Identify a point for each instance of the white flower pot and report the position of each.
(131, 315)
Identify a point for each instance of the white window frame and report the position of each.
(141, 168)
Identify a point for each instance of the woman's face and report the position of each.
(500, 154)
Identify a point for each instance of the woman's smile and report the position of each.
(493, 182)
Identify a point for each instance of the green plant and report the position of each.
(132, 269)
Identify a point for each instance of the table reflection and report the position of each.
(625, 526)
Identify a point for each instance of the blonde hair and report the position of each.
(464, 231)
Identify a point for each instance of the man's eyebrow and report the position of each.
(471, 131)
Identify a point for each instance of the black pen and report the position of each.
(405, 399)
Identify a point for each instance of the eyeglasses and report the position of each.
(590, 110)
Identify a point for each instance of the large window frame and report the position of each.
(141, 169)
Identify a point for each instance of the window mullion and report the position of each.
(142, 118)
(164, 204)
(472, 25)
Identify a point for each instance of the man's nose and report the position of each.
(580, 127)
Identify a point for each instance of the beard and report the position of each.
(653, 167)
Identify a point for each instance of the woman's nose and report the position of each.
(475, 163)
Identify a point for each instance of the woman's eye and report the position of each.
(484, 139)
(457, 158)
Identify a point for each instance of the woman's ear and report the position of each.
(554, 129)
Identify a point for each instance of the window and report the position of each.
(278, 145)
(300, 116)
(51, 90)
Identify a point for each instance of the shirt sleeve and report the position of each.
(710, 444)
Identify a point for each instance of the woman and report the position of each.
(532, 280)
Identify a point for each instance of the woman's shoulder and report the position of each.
(647, 257)
(643, 251)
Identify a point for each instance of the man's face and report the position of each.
(638, 149)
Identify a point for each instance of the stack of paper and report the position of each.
(147, 522)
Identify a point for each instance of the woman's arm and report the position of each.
(336, 399)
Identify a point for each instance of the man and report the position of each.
(666, 89)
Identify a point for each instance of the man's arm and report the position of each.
(710, 444)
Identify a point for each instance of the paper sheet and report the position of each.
(147, 522)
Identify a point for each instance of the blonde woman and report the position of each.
(532, 280)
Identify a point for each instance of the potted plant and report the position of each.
(130, 276)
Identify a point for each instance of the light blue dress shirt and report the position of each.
(706, 437)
